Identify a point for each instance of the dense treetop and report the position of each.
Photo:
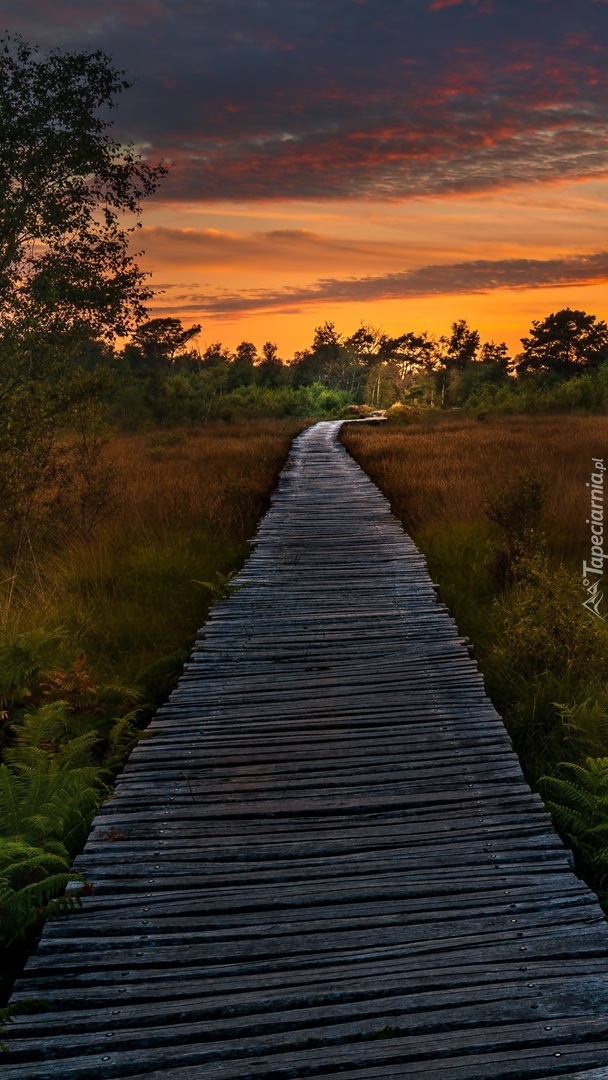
(65, 188)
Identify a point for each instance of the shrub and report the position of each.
(516, 509)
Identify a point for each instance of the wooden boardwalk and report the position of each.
(326, 860)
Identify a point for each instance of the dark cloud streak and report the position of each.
(476, 276)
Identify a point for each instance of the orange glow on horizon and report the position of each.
(505, 315)
(275, 257)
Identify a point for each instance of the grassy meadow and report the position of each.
(94, 631)
(499, 509)
(133, 593)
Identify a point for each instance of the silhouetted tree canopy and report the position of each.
(460, 348)
(271, 369)
(409, 351)
(65, 187)
(566, 342)
(161, 340)
(495, 353)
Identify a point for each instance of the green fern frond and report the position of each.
(571, 823)
(593, 778)
(23, 660)
(123, 736)
(10, 802)
(32, 886)
(222, 588)
(567, 793)
(47, 728)
(578, 803)
(118, 692)
(599, 860)
(43, 726)
(596, 766)
(45, 800)
(599, 833)
(15, 853)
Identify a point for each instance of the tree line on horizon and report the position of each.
(160, 376)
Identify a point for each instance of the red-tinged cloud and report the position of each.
(477, 276)
(485, 6)
(382, 100)
(439, 4)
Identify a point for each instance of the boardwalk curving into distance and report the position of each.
(325, 860)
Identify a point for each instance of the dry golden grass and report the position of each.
(440, 473)
(134, 592)
(217, 477)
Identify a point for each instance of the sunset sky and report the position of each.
(403, 163)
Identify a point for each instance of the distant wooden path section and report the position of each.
(325, 861)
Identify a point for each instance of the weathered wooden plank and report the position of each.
(498, 1066)
(283, 856)
(424, 1010)
(174, 926)
(580, 941)
(291, 1054)
(559, 906)
(265, 1033)
(100, 988)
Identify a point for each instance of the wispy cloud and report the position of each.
(275, 250)
(477, 276)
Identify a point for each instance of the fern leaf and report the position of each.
(32, 882)
(569, 795)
